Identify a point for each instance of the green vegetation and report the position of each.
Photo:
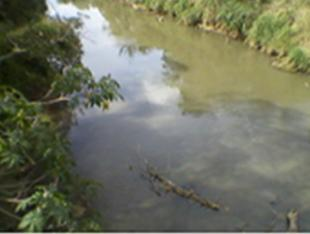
(42, 77)
(272, 30)
(279, 28)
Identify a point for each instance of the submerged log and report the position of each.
(190, 194)
(292, 221)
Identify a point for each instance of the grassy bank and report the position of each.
(280, 28)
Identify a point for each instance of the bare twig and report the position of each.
(9, 214)
(11, 55)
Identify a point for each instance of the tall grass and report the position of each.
(280, 26)
(237, 15)
(274, 30)
(299, 59)
(192, 16)
(157, 5)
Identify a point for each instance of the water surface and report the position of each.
(207, 112)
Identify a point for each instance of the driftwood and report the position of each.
(290, 217)
(168, 186)
(189, 194)
(292, 221)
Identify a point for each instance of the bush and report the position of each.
(48, 45)
(37, 187)
(31, 11)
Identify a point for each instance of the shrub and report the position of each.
(48, 45)
(39, 189)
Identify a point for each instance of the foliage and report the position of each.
(78, 87)
(40, 67)
(48, 46)
(31, 10)
(34, 153)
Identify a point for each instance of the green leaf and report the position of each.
(33, 221)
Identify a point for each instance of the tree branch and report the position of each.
(55, 101)
(9, 214)
(10, 55)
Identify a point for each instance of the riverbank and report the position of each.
(280, 29)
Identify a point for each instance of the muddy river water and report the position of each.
(208, 113)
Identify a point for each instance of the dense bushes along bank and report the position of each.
(280, 28)
(41, 73)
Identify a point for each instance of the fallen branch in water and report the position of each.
(292, 221)
(169, 186)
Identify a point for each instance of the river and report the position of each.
(207, 112)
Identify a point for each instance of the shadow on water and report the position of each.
(208, 113)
